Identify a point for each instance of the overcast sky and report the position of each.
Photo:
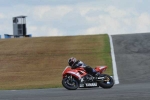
(76, 17)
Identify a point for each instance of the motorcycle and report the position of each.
(78, 78)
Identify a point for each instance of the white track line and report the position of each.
(116, 79)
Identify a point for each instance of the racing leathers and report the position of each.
(88, 69)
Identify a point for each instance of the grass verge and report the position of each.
(29, 63)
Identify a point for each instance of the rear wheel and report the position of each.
(107, 82)
(70, 83)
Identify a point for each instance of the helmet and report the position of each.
(71, 61)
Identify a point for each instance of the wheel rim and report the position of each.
(69, 83)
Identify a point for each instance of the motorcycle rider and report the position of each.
(74, 63)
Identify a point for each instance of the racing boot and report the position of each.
(97, 75)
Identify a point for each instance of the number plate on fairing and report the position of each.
(91, 84)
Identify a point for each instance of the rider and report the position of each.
(74, 63)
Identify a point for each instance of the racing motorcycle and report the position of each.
(78, 78)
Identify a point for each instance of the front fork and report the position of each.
(70, 78)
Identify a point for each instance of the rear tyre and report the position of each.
(70, 84)
(107, 82)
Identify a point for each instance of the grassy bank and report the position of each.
(27, 63)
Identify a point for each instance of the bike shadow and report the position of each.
(90, 88)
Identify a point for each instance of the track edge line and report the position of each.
(115, 74)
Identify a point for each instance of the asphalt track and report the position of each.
(132, 53)
(118, 92)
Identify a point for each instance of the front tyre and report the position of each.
(70, 84)
(107, 82)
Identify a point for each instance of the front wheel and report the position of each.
(107, 82)
(70, 83)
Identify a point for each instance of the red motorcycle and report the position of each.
(78, 78)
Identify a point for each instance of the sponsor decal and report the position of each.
(75, 73)
(91, 84)
(81, 85)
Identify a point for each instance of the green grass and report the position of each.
(107, 55)
(34, 63)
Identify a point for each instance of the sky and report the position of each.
(76, 17)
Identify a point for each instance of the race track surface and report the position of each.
(118, 92)
(132, 53)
